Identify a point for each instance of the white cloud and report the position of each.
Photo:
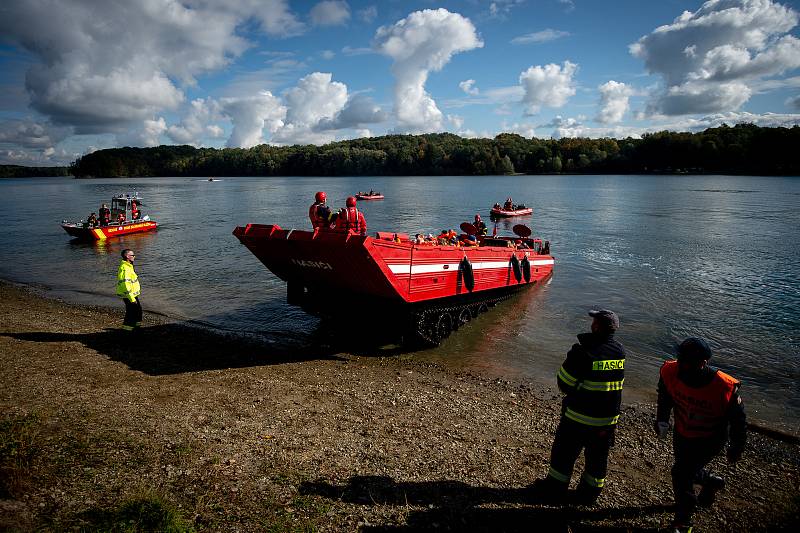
(468, 86)
(502, 8)
(368, 15)
(148, 135)
(456, 121)
(197, 124)
(315, 97)
(569, 5)
(550, 85)
(330, 13)
(250, 115)
(524, 129)
(540, 36)
(422, 42)
(358, 111)
(30, 134)
(327, 54)
(110, 67)
(613, 101)
(351, 51)
(708, 58)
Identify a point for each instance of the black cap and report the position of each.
(607, 318)
(694, 349)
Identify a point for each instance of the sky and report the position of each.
(82, 75)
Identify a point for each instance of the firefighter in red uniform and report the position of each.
(350, 218)
(708, 411)
(591, 379)
(134, 211)
(105, 215)
(319, 212)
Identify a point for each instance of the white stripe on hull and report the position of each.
(445, 267)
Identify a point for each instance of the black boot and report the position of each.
(711, 485)
(548, 491)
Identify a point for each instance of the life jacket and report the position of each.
(320, 215)
(699, 411)
(351, 219)
(595, 382)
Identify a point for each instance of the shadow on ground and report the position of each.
(457, 506)
(176, 348)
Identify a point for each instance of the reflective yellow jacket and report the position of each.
(127, 282)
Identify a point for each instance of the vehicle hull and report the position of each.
(511, 213)
(100, 233)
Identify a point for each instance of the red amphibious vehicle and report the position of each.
(423, 291)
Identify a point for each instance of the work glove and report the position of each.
(661, 429)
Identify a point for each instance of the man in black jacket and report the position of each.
(591, 379)
(708, 411)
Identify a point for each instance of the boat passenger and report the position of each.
(480, 225)
(351, 219)
(135, 214)
(91, 221)
(121, 218)
(396, 239)
(521, 245)
(452, 237)
(420, 239)
(105, 215)
(443, 238)
(469, 241)
(496, 205)
(319, 212)
(509, 205)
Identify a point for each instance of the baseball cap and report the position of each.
(606, 317)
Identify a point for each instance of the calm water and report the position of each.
(713, 256)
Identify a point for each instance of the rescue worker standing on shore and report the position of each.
(708, 410)
(591, 378)
(319, 212)
(128, 289)
(350, 218)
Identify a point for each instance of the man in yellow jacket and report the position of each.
(128, 289)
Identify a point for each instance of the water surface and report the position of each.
(711, 256)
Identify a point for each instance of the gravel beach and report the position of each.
(226, 433)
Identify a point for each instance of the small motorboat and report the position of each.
(371, 195)
(120, 205)
(517, 211)
(420, 291)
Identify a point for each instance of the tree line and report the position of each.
(741, 149)
(17, 171)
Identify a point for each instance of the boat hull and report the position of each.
(369, 197)
(101, 233)
(511, 213)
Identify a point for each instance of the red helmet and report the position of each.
(477, 217)
(321, 196)
(351, 201)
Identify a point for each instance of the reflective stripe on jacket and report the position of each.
(699, 411)
(592, 377)
(127, 282)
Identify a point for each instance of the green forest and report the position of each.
(17, 171)
(741, 149)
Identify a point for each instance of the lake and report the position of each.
(674, 256)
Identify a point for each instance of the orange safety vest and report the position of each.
(699, 412)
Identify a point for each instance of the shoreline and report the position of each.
(234, 433)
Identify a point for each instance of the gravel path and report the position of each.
(237, 435)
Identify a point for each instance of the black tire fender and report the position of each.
(516, 267)
(466, 274)
(526, 269)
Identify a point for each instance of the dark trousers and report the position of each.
(133, 314)
(691, 458)
(571, 438)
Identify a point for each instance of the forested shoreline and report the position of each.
(741, 149)
(18, 171)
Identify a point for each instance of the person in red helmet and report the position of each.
(480, 226)
(319, 212)
(351, 219)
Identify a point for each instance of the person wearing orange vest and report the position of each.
(319, 212)
(351, 219)
(708, 413)
(591, 379)
(134, 210)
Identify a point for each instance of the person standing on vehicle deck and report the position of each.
(105, 215)
(591, 379)
(350, 218)
(319, 212)
(129, 290)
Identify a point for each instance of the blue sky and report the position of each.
(78, 75)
